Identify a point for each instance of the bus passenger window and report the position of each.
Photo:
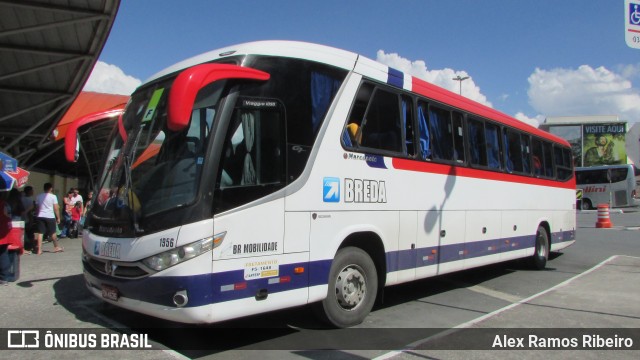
(526, 153)
(513, 152)
(619, 175)
(381, 127)
(564, 167)
(425, 137)
(352, 135)
(407, 118)
(442, 130)
(548, 159)
(477, 145)
(458, 138)
(538, 158)
(493, 146)
(324, 86)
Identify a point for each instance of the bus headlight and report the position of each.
(183, 253)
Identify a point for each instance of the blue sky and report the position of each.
(532, 59)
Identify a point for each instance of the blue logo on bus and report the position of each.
(331, 189)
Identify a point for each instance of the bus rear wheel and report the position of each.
(541, 255)
(353, 285)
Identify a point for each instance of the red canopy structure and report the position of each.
(88, 103)
(85, 129)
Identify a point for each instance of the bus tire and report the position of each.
(586, 204)
(353, 285)
(539, 259)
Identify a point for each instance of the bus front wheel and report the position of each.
(353, 285)
(541, 255)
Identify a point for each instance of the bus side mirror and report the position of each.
(121, 129)
(71, 141)
(186, 86)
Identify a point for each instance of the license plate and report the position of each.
(110, 292)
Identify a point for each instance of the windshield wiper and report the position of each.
(128, 190)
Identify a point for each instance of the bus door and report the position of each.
(252, 169)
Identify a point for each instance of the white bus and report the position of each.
(611, 184)
(275, 174)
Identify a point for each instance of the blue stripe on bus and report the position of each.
(208, 289)
(415, 258)
(375, 161)
(562, 236)
(395, 78)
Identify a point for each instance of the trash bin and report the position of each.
(16, 247)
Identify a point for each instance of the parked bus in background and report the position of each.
(610, 184)
(275, 174)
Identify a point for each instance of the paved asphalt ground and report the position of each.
(50, 293)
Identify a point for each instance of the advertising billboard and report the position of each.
(604, 144)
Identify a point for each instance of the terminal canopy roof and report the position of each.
(87, 103)
(47, 51)
(90, 121)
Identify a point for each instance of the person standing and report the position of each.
(28, 203)
(15, 205)
(75, 198)
(47, 218)
(66, 213)
(76, 214)
(87, 204)
(27, 199)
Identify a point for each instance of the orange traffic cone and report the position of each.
(604, 222)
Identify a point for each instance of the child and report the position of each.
(76, 213)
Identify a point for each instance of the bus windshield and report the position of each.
(155, 169)
(153, 178)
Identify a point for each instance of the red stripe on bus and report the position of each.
(449, 98)
(443, 169)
